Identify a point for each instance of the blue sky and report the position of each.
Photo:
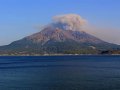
(18, 18)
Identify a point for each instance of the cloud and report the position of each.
(69, 22)
(72, 22)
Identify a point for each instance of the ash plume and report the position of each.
(69, 22)
(72, 22)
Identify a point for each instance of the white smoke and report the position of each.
(69, 22)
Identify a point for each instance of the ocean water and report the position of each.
(60, 73)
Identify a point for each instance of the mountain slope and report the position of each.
(54, 40)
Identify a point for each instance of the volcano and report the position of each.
(57, 41)
(63, 36)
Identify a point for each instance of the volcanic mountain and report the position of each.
(55, 41)
(62, 36)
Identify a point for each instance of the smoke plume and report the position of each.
(68, 22)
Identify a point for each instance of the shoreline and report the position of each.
(61, 55)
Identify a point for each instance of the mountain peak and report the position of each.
(63, 35)
(56, 40)
(59, 35)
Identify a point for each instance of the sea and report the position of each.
(84, 72)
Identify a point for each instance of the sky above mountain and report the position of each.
(20, 18)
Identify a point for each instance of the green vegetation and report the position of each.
(55, 48)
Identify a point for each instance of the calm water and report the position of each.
(60, 73)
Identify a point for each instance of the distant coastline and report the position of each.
(62, 55)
